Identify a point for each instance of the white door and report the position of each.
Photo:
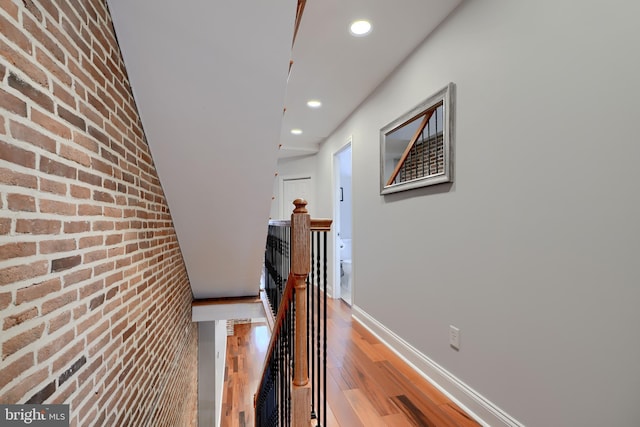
(296, 188)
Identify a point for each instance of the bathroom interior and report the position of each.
(344, 239)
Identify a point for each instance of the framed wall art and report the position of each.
(416, 149)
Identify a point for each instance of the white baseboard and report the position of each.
(472, 402)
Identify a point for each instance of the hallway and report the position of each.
(368, 385)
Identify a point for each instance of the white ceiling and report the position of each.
(209, 78)
(341, 70)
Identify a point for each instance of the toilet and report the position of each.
(345, 264)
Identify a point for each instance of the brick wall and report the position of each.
(95, 303)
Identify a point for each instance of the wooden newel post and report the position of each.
(300, 265)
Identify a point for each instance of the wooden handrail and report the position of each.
(317, 224)
(277, 326)
(300, 260)
(301, 226)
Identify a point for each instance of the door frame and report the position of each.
(281, 180)
(336, 221)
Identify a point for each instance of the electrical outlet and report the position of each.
(454, 337)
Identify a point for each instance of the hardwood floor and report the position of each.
(245, 355)
(367, 384)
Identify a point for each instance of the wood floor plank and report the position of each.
(367, 383)
(363, 407)
(245, 356)
(339, 405)
(397, 420)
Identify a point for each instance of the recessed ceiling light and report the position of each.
(314, 103)
(360, 28)
(296, 131)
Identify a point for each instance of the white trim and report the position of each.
(472, 402)
(208, 313)
(336, 291)
(281, 179)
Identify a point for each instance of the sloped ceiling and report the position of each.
(209, 79)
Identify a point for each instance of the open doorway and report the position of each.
(343, 224)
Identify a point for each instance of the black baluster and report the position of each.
(324, 356)
(318, 282)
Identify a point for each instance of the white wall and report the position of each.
(533, 251)
(206, 374)
(212, 350)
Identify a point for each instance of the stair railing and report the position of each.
(286, 396)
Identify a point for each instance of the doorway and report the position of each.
(294, 188)
(343, 215)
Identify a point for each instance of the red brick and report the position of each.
(88, 242)
(29, 91)
(13, 370)
(97, 332)
(77, 276)
(89, 178)
(101, 166)
(79, 311)
(17, 155)
(63, 396)
(103, 225)
(65, 263)
(71, 117)
(87, 111)
(94, 256)
(22, 272)
(77, 226)
(59, 321)
(53, 246)
(37, 290)
(70, 30)
(80, 192)
(50, 123)
(5, 300)
(15, 250)
(12, 32)
(50, 186)
(63, 95)
(52, 9)
(88, 323)
(31, 7)
(38, 226)
(95, 74)
(112, 212)
(11, 9)
(12, 103)
(21, 340)
(101, 196)
(18, 392)
(55, 207)
(10, 177)
(21, 203)
(16, 319)
(53, 167)
(60, 301)
(28, 134)
(88, 290)
(53, 66)
(23, 64)
(55, 346)
(75, 155)
(36, 31)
